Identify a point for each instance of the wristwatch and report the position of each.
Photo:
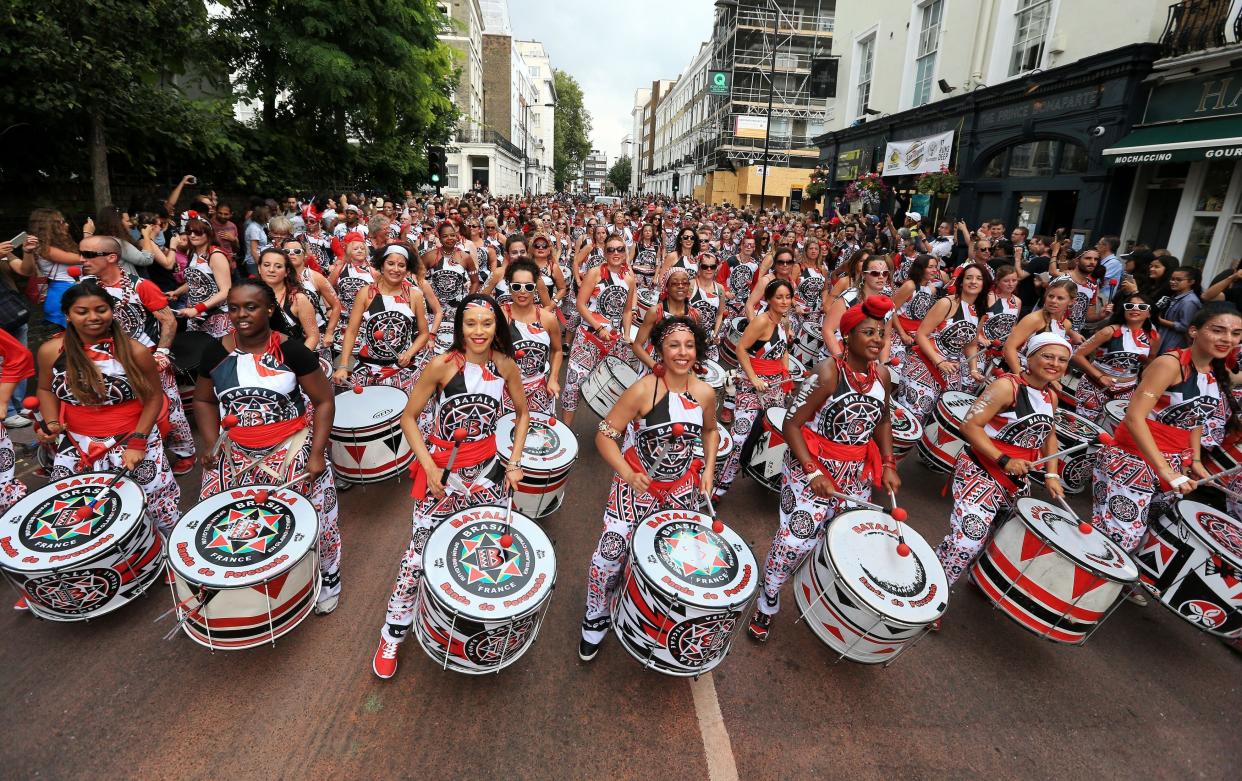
(810, 476)
(1003, 461)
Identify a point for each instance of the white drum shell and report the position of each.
(767, 459)
(607, 381)
(368, 446)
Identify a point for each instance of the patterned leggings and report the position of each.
(152, 473)
(749, 405)
(804, 517)
(231, 472)
(625, 509)
(1124, 490)
(11, 489)
(428, 514)
(1091, 399)
(978, 501)
(584, 355)
(180, 438)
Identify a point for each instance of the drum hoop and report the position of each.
(1202, 535)
(863, 597)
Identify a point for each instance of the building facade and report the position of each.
(541, 117)
(1018, 98)
(594, 173)
(642, 96)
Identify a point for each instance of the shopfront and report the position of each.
(1027, 152)
(1187, 158)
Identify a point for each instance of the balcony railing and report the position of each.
(476, 135)
(1194, 25)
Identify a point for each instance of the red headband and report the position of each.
(874, 307)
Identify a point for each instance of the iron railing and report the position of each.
(1194, 25)
(476, 135)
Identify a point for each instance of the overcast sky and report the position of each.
(613, 48)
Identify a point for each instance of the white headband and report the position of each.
(1042, 340)
(397, 249)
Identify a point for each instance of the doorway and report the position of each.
(1158, 216)
(1060, 208)
(480, 172)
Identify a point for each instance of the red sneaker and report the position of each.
(385, 662)
(183, 466)
(21, 604)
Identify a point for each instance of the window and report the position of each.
(866, 62)
(452, 176)
(1031, 29)
(1037, 158)
(925, 57)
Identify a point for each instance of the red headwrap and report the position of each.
(874, 307)
(353, 236)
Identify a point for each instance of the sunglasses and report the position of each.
(295, 251)
(614, 250)
(91, 254)
(197, 232)
(522, 287)
(874, 273)
(708, 266)
(687, 238)
(786, 262)
(1127, 307)
(540, 245)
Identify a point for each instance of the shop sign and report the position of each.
(1214, 95)
(1052, 106)
(918, 156)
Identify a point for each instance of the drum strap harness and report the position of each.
(824, 449)
(663, 488)
(1170, 440)
(468, 454)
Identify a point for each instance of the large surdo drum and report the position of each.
(549, 454)
(607, 381)
(767, 459)
(368, 445)
(942, 434)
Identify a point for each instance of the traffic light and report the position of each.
(437, 166)
(676, 182)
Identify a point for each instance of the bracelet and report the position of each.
(1003, 461)
(200, 307)
(136, 443)
(890, 463)
(1180, 480)
(608, 430)
(1196, 461)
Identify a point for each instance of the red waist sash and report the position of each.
(468, 454)
(769, 367)
(267, 435)
(908, 324)
(1002, 478)
(1170, 440)
(823, 448)
(659, 488)
(111, 420)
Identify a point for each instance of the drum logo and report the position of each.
(1203, 613)
(695, 554)
(482, 567)
(55, 524)
(75, 592)
(697, 641)
(494, 645)
(244, 533)
(541, 440)
(1224, 530)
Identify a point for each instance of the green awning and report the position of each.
(1181, 142)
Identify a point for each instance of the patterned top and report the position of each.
(1189, 403)
(811, 289)
(116, 384)
(470, 401)
(648, 435)
(1028, 422)
(610, 297)
(536, 345)
(388, 328)
(851, 412)
(263, 388)
(202, 283)
(450, 281)
(1002, 317)
(137, 300)
(957, 331)
(707, 302)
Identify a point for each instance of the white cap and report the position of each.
(914, 216)
(1039, 341)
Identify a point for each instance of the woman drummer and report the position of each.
(606, 305)
(708, 297)
(1051, 317)
(321, 294)
(840, 441)
(536, 336)
(208, 278)
(278, 440)
(998, 323)
(653, 467)
(873, 280)
(100, 396)
(1118, 350)
(674, 301)
(645, 256)
(763, 379)
(465, 386)
(1158, 442)
(389, 320)
(350, 277)
(944, 341)
(1008, 427)
(912, 301)
(293, 306)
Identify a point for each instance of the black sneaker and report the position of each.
(760, 626)
(587, 650)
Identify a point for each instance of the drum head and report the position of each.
(548, 448)
(679, 555)
(43, 530)
(906, 427)
(470, 573)
(1093, 551)
(1220, 532)
(715, 374)
(376, 404)
(1116, 408)
(736, 327)
(911, 589)
(231, 539)
(722, 451)
(647, 297)
(1073, 429)
(797, 372)
(775, 417)
(955, 404)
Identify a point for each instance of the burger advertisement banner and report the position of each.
(920, 155)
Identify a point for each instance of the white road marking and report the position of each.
(716, 744)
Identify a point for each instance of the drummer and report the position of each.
(998, 323)
(1158, 443)
(536, 335)
(763, 377)
(674, 301)
(708, 297)
(389, 320)
(465, 386)
(1051, 317)
(350, 277)
(146, 318)
(16, 365)
(1007, 428)
(606, 305)
(840, 440)
(631, 439)
(912, 301)
(100, 396)
(1119, 350)
(873, 280)
(276, 441)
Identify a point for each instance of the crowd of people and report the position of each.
(472, 306)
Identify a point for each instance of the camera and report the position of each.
(1098, 131)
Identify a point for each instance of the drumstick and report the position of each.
(458, 436)
(1104, 437)
(506, 539)
(1218, 476)
(227, 422)
(32, 403)
(899, 514)
(1083, 526)
(263, 493)
(675, 432)
(84, 512)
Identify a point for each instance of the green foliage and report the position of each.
(619, 174)
(572, 130)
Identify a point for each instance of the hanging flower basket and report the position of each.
(942, 182)
(818, 184)
(869, 189)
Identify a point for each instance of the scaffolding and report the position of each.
(745, 38)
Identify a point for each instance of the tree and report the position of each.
(75, 74)
(572, 130)
(358, 89)
(619, 174)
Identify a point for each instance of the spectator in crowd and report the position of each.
(1174, 317)
(256, 237)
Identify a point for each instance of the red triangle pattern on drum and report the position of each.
(355, 452)
(1032, 546)
(1163, 553)
(273, 587)
(943, 437)
(1084, 581)
(835, 632)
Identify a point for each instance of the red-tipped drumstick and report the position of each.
(74, 271)
(506, 539)
(357, 389)
(31, 403)
(459, 436)
(265, 492)
(227, 422)
(84, 512)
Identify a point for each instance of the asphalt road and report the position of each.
(1148, 697)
